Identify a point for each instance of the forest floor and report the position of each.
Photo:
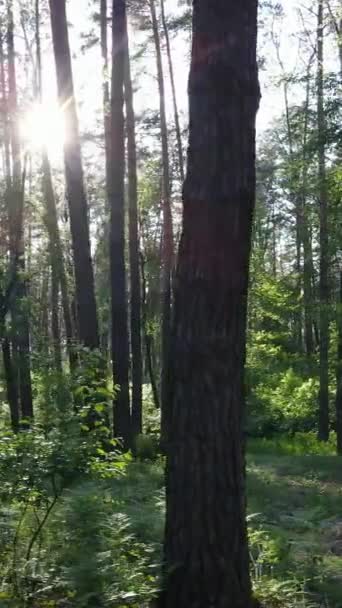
(295, 524)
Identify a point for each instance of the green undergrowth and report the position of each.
(102, 543)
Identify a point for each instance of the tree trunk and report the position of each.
(323, 416)
(11, 384)
(120, 347)
(56, 336)
(19, 313)
(135, 287)
(174, 95)
(106, 96)
(11, 377)
(305, 236)
(56, 254)
(85, 290)
(206, 550)
(50, 217)
(148, 346)
(44, 314)
(167, 235)
(338, 401)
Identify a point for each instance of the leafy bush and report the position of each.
(300, 444)
(146, 447)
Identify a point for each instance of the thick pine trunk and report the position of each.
(85, 290)
(206, 549)
(120, 345)
(167, 234)
(323, 415)
(135, 287)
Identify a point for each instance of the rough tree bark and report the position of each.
(323, 400)
(167, 233)
(135, 287)
(120, 345)
(206, 549)
(84, 277)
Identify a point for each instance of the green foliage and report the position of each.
(146, 447)
(300, 444)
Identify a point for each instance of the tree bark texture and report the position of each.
(206, 549)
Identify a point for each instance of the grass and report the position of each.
(300, 501)
(295, 522)
(108, 534)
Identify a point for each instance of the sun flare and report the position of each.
(42, 125)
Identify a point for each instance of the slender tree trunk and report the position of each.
(305, 237)
(50, 217)
(174, 95)
(85, 290)
(135, 287)
(338, 402)
(56, 253)
(323, 417)
(44, 313)
(10, 370)
(11, 384)
(167, 234)
(120, 344)
(56, 335)
(20, 313)
(148, 345)
(106, 95)
(206, 550)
